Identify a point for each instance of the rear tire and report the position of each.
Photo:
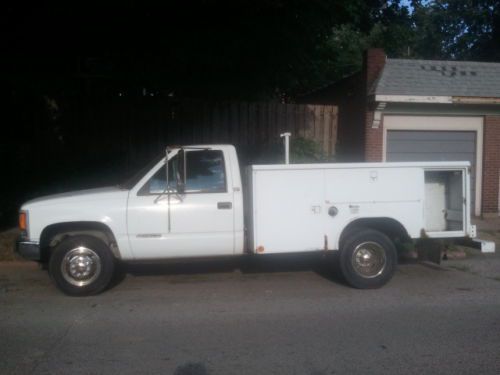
(368, 259)
(82, 265)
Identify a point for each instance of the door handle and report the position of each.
(224, 205)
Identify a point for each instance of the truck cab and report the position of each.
(190, 207)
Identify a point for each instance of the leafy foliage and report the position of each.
(435, 29)
(306, 151)
(468, 29)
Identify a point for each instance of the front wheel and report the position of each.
(81, 265)
(368, 259)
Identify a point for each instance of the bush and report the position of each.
(306, 151)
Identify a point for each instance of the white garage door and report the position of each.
(432, 139)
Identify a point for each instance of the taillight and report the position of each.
(23, 221)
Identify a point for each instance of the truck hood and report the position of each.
(89, 195)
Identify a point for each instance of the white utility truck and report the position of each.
(196, 206)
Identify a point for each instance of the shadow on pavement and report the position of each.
(325, 266)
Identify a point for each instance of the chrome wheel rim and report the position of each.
(81, 266)
(368, 259)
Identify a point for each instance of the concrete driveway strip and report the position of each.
(425, 321)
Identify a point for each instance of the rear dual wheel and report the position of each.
(82, 265)
(368, 259)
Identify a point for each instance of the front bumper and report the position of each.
(28, 249)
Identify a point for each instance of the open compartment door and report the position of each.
(445, 201)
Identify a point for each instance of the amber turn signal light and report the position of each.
(23, 222)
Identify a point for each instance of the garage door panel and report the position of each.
(419, 135)
(432, 146)
(429, 156)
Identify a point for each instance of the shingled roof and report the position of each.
(438, 78)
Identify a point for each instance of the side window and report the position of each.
(158, 183)
(205, 172)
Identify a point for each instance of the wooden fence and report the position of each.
(91, 132)
(246, 125)
(249, 124)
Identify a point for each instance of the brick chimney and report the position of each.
(373, 63)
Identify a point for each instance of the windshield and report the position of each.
(136, 176)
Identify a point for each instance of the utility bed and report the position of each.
(304, 207)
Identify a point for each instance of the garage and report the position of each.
(422, 110)
(424, 138)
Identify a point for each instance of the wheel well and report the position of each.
(53, 234)
(390, 227)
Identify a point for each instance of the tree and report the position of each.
(386, 24)
(472, 28)
(429, 34)
(436, 29)
(458, 29)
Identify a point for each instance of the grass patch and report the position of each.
(7, 244)
(470, 251)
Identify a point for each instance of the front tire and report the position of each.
(368, 259)
(82, 266)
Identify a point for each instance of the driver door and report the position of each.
(198, 221)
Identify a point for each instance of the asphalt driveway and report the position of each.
(218, 320)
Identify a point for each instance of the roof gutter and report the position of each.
(413, 99)
(475, 100)
(436, 99)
